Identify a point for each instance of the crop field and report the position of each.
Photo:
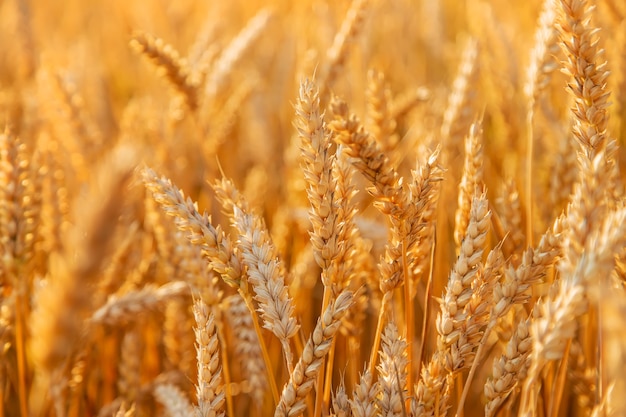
(321, 208)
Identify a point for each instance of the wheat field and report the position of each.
(350, 208)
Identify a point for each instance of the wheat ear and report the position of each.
(337, 54)
(554, 327)
(302, 380)
(470, 180)
(392, 373)
(62, 307)
(509, 369)
(214, 243)
(209, 388)
(363, 403)
(167, 59)
(174, 400)
(266, 271)
(126, 307)
(233, 52)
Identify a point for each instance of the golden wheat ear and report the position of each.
(302, 379)
(266, 271)
(169, 63)
(209, 388)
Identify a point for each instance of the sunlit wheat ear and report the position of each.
(557, 322)
(317, 162)
(368, 158)
(169, 62)
(509, 369)
(425, 188)
(302, 380)
(209, 388)
(266, 271)
(341, 404)
(222, 67)
(392, 373)
(457, 339)
(432, 393)
(174, 400)
(215, 245)
(363, 402)
(542, 62)
(129, 367)
(458, 112)
(586, 65)
(466, 269)
(510, 215)
(16, 217)
(380, 119)
(471, 179)
(337, 54)
(126, 307)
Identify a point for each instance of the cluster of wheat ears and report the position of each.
(352, 208)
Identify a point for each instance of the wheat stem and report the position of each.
(379, 331)
(266, 357)
(409, 312)
(319, 388)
